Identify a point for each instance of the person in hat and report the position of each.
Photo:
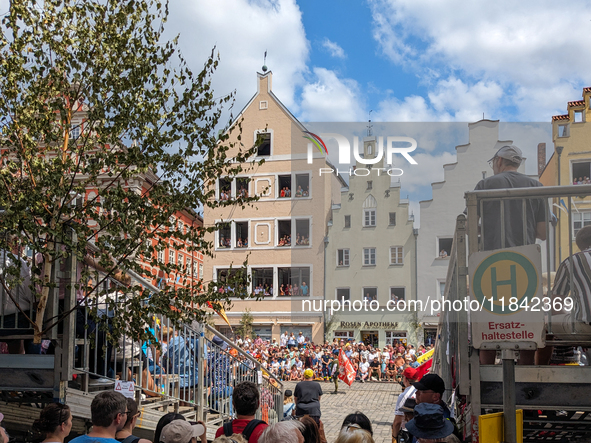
(307, 396)
(408, 378)
(430, 389)
(429, 425)
(288, 404)
(180, 431)
(333, 370)
(505, 164)
(408, 409)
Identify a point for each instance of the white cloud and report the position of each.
(334, 49)
(523, 47)
(331, 98)
(242, 31)
(429, 169)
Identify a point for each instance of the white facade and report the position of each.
(438, 215)
(370, 255)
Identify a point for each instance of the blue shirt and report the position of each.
(87, 439)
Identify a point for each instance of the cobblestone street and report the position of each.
(374, 399)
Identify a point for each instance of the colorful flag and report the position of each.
(221, 313)
(423, 369)
(346, 371)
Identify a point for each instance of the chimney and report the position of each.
(541, 157)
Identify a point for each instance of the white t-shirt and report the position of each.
(364, 367)
(283, 340)
(301, 339)
(409, 392)
(372, 357)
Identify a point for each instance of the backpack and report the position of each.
(248, 430)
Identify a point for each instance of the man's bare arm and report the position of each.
(541, 230)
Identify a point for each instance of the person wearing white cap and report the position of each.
(505, 164)
(180, 431)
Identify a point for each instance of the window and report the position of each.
(75, 132)
(188, 267)
(444, 245)
(262, 282)
(369, 256)
(369, 185)
(293, 281)
(181, 261)
(225, 236)
(302, 185)
(284, 233)
(579, 116)
(161, 256)
(196, 269)
(395, 336)
(181, 227)
(302, 232)
(263, 104)
(563, 131)
(342, 257)
(369, 217)
(242, 234)
(343, 294)
(264, 147)
(226, 286)
(225, 187)
(396, 255)
(370, 294)
(171, 257)
(392, 219)
(344, 335)
(347, 221)
(581, 173)
(397, 294)
(242, 185)
(580, 220)
(441, 288)
(200, 270)
(284, 188)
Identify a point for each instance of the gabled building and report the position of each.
(570, 164)
(371, 257)
(282, 234)
(438, 215)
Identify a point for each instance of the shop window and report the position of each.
(293, 281)
(225, 236)
(225, 187)
(264, 147)
(284, 186)
(581, 173)
(394, 337)
(344, 335)
(369, 256)
(444, 245)
(343, 294)
(302, 185)
(302, 232)
(370, 294)
(342, 257)
(242, 234)
(284, 233)
(262, 281)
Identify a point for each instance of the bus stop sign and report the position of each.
(507, 286)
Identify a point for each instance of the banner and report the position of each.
(423, 369)
(426, 356)
(346, 371)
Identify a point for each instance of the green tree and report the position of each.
(93, 99)
(246, 321)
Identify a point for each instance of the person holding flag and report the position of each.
(346, 371)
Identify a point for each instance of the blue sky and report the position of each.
(406, 60)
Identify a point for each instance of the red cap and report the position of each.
(410, 373)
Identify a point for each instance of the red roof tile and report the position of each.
(576, 103)
(559, 117)
(587, 89)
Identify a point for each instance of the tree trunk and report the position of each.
(42, 304)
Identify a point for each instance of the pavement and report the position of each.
(374, 399)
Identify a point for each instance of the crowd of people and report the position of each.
(292, 355)
(285, 192)
(421, 417)
(581, 181)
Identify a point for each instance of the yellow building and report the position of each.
(283, 233)
(571, 164)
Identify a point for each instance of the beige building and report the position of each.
(283, 233)
(371, 258)
(571, 164)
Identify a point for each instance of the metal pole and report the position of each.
(200, 373)
(510, 422)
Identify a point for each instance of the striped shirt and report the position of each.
(582, 287)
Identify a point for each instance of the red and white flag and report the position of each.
(346, 371)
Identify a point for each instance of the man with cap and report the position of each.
(408, 378)
(505, 164)
(307, 396)
(429, 425)
(181, 431)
